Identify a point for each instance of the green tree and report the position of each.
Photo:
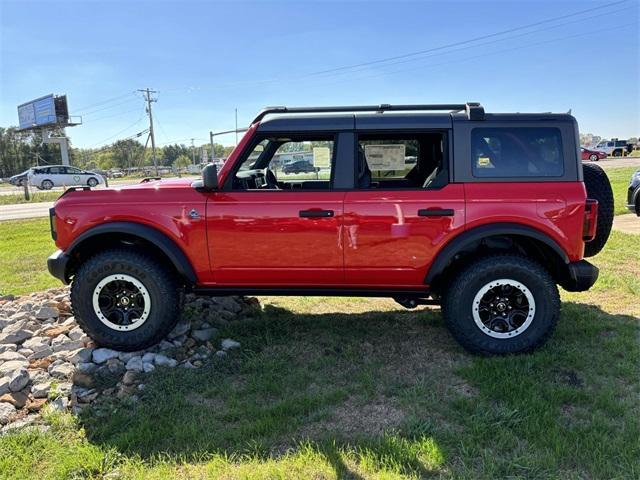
(182, 161)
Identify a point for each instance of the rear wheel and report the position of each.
(501, 304)
(46, 185)
(125, 300)
(92, 182)
(593, 157)
(599, 188)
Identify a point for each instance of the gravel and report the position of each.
(46, 358)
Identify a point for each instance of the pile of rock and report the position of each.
(45, 357)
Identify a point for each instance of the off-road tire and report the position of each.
(599, 188)
(458, 303)
(164, 293)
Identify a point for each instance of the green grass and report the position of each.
(361, 388)
(24, 248)
(619, 178)
(35, 196)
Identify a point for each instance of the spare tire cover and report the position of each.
(599, 188)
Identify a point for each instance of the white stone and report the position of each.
(180, 329)
(228, 344)
(164, 361)
(204, 334)
(37, 343)
(15, 337)
(101, 355)
(77, 334)
(9, 367)
(45, 313)
(6, 410)
(86, 367)
(9, 347)
(148, 367)
(61, 371)
(60, 404)
(45, 352)
(135, 363)
(81, 355)
(9, 356)
(4, 385)
(41, 390)
(18, 380)
(148, 357)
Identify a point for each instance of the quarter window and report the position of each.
(517, 152)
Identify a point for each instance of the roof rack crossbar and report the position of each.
(473, 109)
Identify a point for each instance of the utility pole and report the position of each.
(193, 152)
(147, 95)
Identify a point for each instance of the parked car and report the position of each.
(45, 178)
(593, 155)
(115, 173)
(614, 147)
(20, 179)
(300, 166)
(497, 211)
(633, 193)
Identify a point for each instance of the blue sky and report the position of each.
(206, 59)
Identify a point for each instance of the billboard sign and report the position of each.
(39, 112)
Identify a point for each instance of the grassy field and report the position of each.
(24, 248)
(35, 196)
(619, 178)
(361, 388)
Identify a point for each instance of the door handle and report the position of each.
(316, 213)
(435, 212)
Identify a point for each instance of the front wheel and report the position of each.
(46, 185)
(125, 300)
(593, 157)
(501, 304)
(92, 182)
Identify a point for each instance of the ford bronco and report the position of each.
(483, 214)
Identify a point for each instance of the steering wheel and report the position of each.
(270, 178)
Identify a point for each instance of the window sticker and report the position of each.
(484, 162)
(385, 157)
(321, 157)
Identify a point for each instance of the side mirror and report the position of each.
(210, 177)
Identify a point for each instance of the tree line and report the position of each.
(21, 150)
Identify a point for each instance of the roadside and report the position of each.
(24, 210)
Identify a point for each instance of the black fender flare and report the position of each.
(163, 242)
(469, 237)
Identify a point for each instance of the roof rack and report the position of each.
(474, 110)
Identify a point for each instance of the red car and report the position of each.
(495, 211)
(593, 155)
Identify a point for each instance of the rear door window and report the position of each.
(516, 152)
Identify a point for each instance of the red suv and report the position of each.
(483, 214)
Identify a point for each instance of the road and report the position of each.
(24, 210)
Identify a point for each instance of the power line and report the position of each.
(463, 42)
(103, 102)
(363, 77)
(120, 132)
(508, 38)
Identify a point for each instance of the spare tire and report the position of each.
(598, 188)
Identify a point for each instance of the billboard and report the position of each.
(47, 110)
